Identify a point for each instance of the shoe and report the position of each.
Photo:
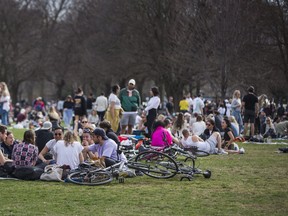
(222, 151)
(236, 147)
(242, 151)
(139, 173)
(284, 149)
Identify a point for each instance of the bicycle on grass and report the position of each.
(151, 163)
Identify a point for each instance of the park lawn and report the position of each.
(251, 184)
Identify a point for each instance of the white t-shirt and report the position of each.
(198, 127)
(202, 146)
(114, 98)
(153, 103)
(198, 105)
(6, 104)
(68, 155)
(101, 103)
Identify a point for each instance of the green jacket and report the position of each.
(129, 104)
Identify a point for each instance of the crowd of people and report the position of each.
(86, 128)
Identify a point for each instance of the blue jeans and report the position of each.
(67, 116)
(238, 117)
(4, 117)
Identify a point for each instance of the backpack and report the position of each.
(27, 173)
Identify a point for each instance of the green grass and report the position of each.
(251, 184)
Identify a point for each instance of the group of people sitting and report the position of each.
(44, 146)
(67, 148)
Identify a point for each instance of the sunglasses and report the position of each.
(87, 130)
(84, 122)
(57, 134)
(208, 124)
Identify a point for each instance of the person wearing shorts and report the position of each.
(250, 106)
(208, 146)
(130, 102)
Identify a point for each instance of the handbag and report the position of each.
(52, 172)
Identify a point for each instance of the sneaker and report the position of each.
(222, 151)
(242, 151)
(139, 173)
(236, 147)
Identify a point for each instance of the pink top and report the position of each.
(158, 135)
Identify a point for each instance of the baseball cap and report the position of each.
(47, 125)
(100, 132)
(132, 81)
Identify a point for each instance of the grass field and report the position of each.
(251, 184)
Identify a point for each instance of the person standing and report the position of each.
(113, 113)
(89, 103)
(250, 110)
(190, 101)
(198, 105)
(68, 111)
(80, 109)
(101, 106)
(151, 110)
(236, 109)
(4, 103)
(183, 105)
(170, 107)
(130, 102)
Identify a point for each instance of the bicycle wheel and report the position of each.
(155, 164)
(97, 177)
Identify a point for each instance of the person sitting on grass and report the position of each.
(104, 150)
(26, 153)
(8, 144)
(229, 138)
(69, 151)
(47, 155)
(160, 138)
(3, 160)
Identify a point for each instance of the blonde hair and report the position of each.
(236, 92)
(232, 119)
(5, 91)
(69, 138)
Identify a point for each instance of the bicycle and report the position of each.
(151, 163)
(187, 166)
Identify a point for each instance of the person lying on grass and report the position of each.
(212, 145)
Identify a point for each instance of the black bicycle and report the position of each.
(151, 163)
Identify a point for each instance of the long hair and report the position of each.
(69, 138)
(5, 91)
(29, 137)
(236, 92)
(262, 101)
(179, 121)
